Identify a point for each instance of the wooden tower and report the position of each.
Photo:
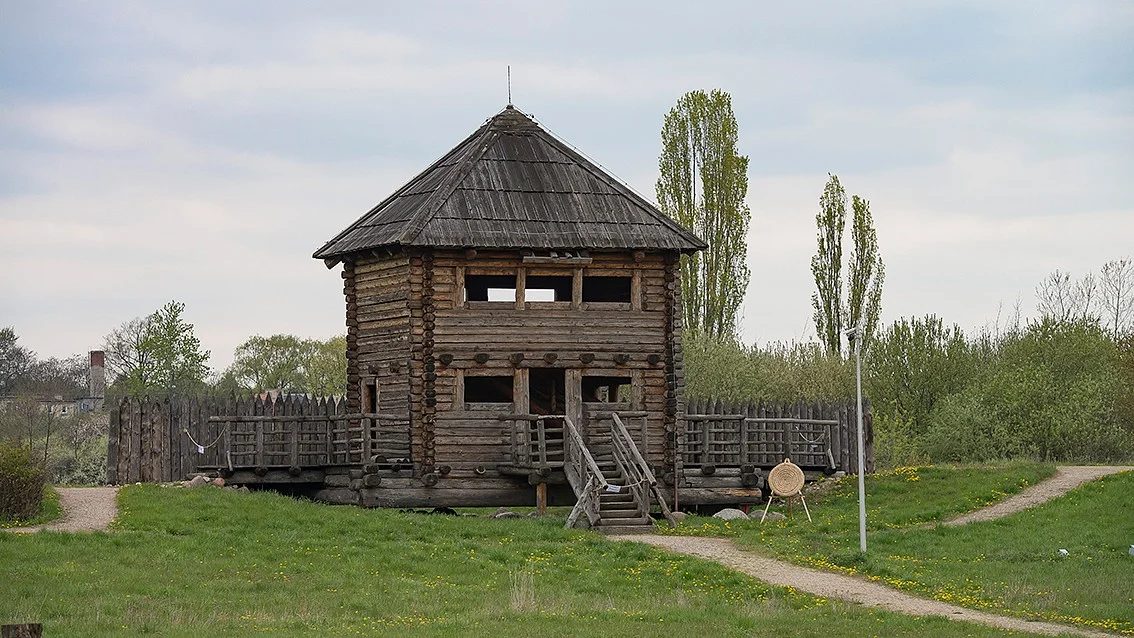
(513, 315)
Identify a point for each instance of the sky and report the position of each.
(200, 152)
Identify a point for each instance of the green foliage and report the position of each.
(827, 265)
(912, 365)
(271, 363)
(326, 370)
(15, 361)
(699, 149)
(778, 372)
(865, 270)
(866, 273)
(22, 481)
(289, 364)
(1054, 392)
(179, 363)
(157, 355)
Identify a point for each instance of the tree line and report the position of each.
(156, 356)
(1060, 387)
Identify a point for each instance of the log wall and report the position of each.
(510, 338)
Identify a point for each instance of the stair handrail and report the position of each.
(574, 442)
(584, 475)
(622, 435)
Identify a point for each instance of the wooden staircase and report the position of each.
(614, 497)
(618, 512)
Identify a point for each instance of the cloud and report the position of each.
(202, 152)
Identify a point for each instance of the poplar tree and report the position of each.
(827, 266)
(702, 186)
(865, 270)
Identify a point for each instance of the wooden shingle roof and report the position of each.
(511, 184)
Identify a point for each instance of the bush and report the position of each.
(896, 444)
(962, 429)
(87, 468)
(777, 372)
(21, 483)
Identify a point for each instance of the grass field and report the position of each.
(215, 562)
(49, 510)
(1010, 566)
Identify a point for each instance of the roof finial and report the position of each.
(509, 85)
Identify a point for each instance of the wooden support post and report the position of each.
(577, 289)
(542, 443)
(541, 498)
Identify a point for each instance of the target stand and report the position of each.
(786, 481)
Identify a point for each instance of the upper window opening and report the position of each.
(606, 389)
(542, 288)
(490, 287)
(488, 389)
(606, 289)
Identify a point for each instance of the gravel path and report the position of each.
(842, 587)
(1066, 478)
(872, 594)
(85, 509)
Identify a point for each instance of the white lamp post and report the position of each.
(855, 335)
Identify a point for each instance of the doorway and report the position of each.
(546, 390)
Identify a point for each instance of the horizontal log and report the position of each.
(441, 496)
(305, 418)
(716, 496)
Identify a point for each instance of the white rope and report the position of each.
(215, 441)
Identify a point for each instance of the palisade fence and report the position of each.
(153, 440)
(814, 435)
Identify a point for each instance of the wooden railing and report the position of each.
(169, 440)
(536, 440)
(298, 440)
(584, 475)
(639, 477)
(813, 435)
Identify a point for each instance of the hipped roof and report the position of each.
(511, 184)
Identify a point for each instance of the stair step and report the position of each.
(611, 497)
(617, 530)
(616, 514)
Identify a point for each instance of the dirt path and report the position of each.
(85, 509)
(842, 587)
(1066, 478)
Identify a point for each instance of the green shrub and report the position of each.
(21, 483)
(88, 468)
(962, 429)
(896, 444)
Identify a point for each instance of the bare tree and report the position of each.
(1116, 295)
(1063, 299)
(126, 356)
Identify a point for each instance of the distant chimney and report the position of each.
(98, 374)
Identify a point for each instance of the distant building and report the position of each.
(60, 406)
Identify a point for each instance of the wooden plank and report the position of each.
(113, 433)
(135, 458)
